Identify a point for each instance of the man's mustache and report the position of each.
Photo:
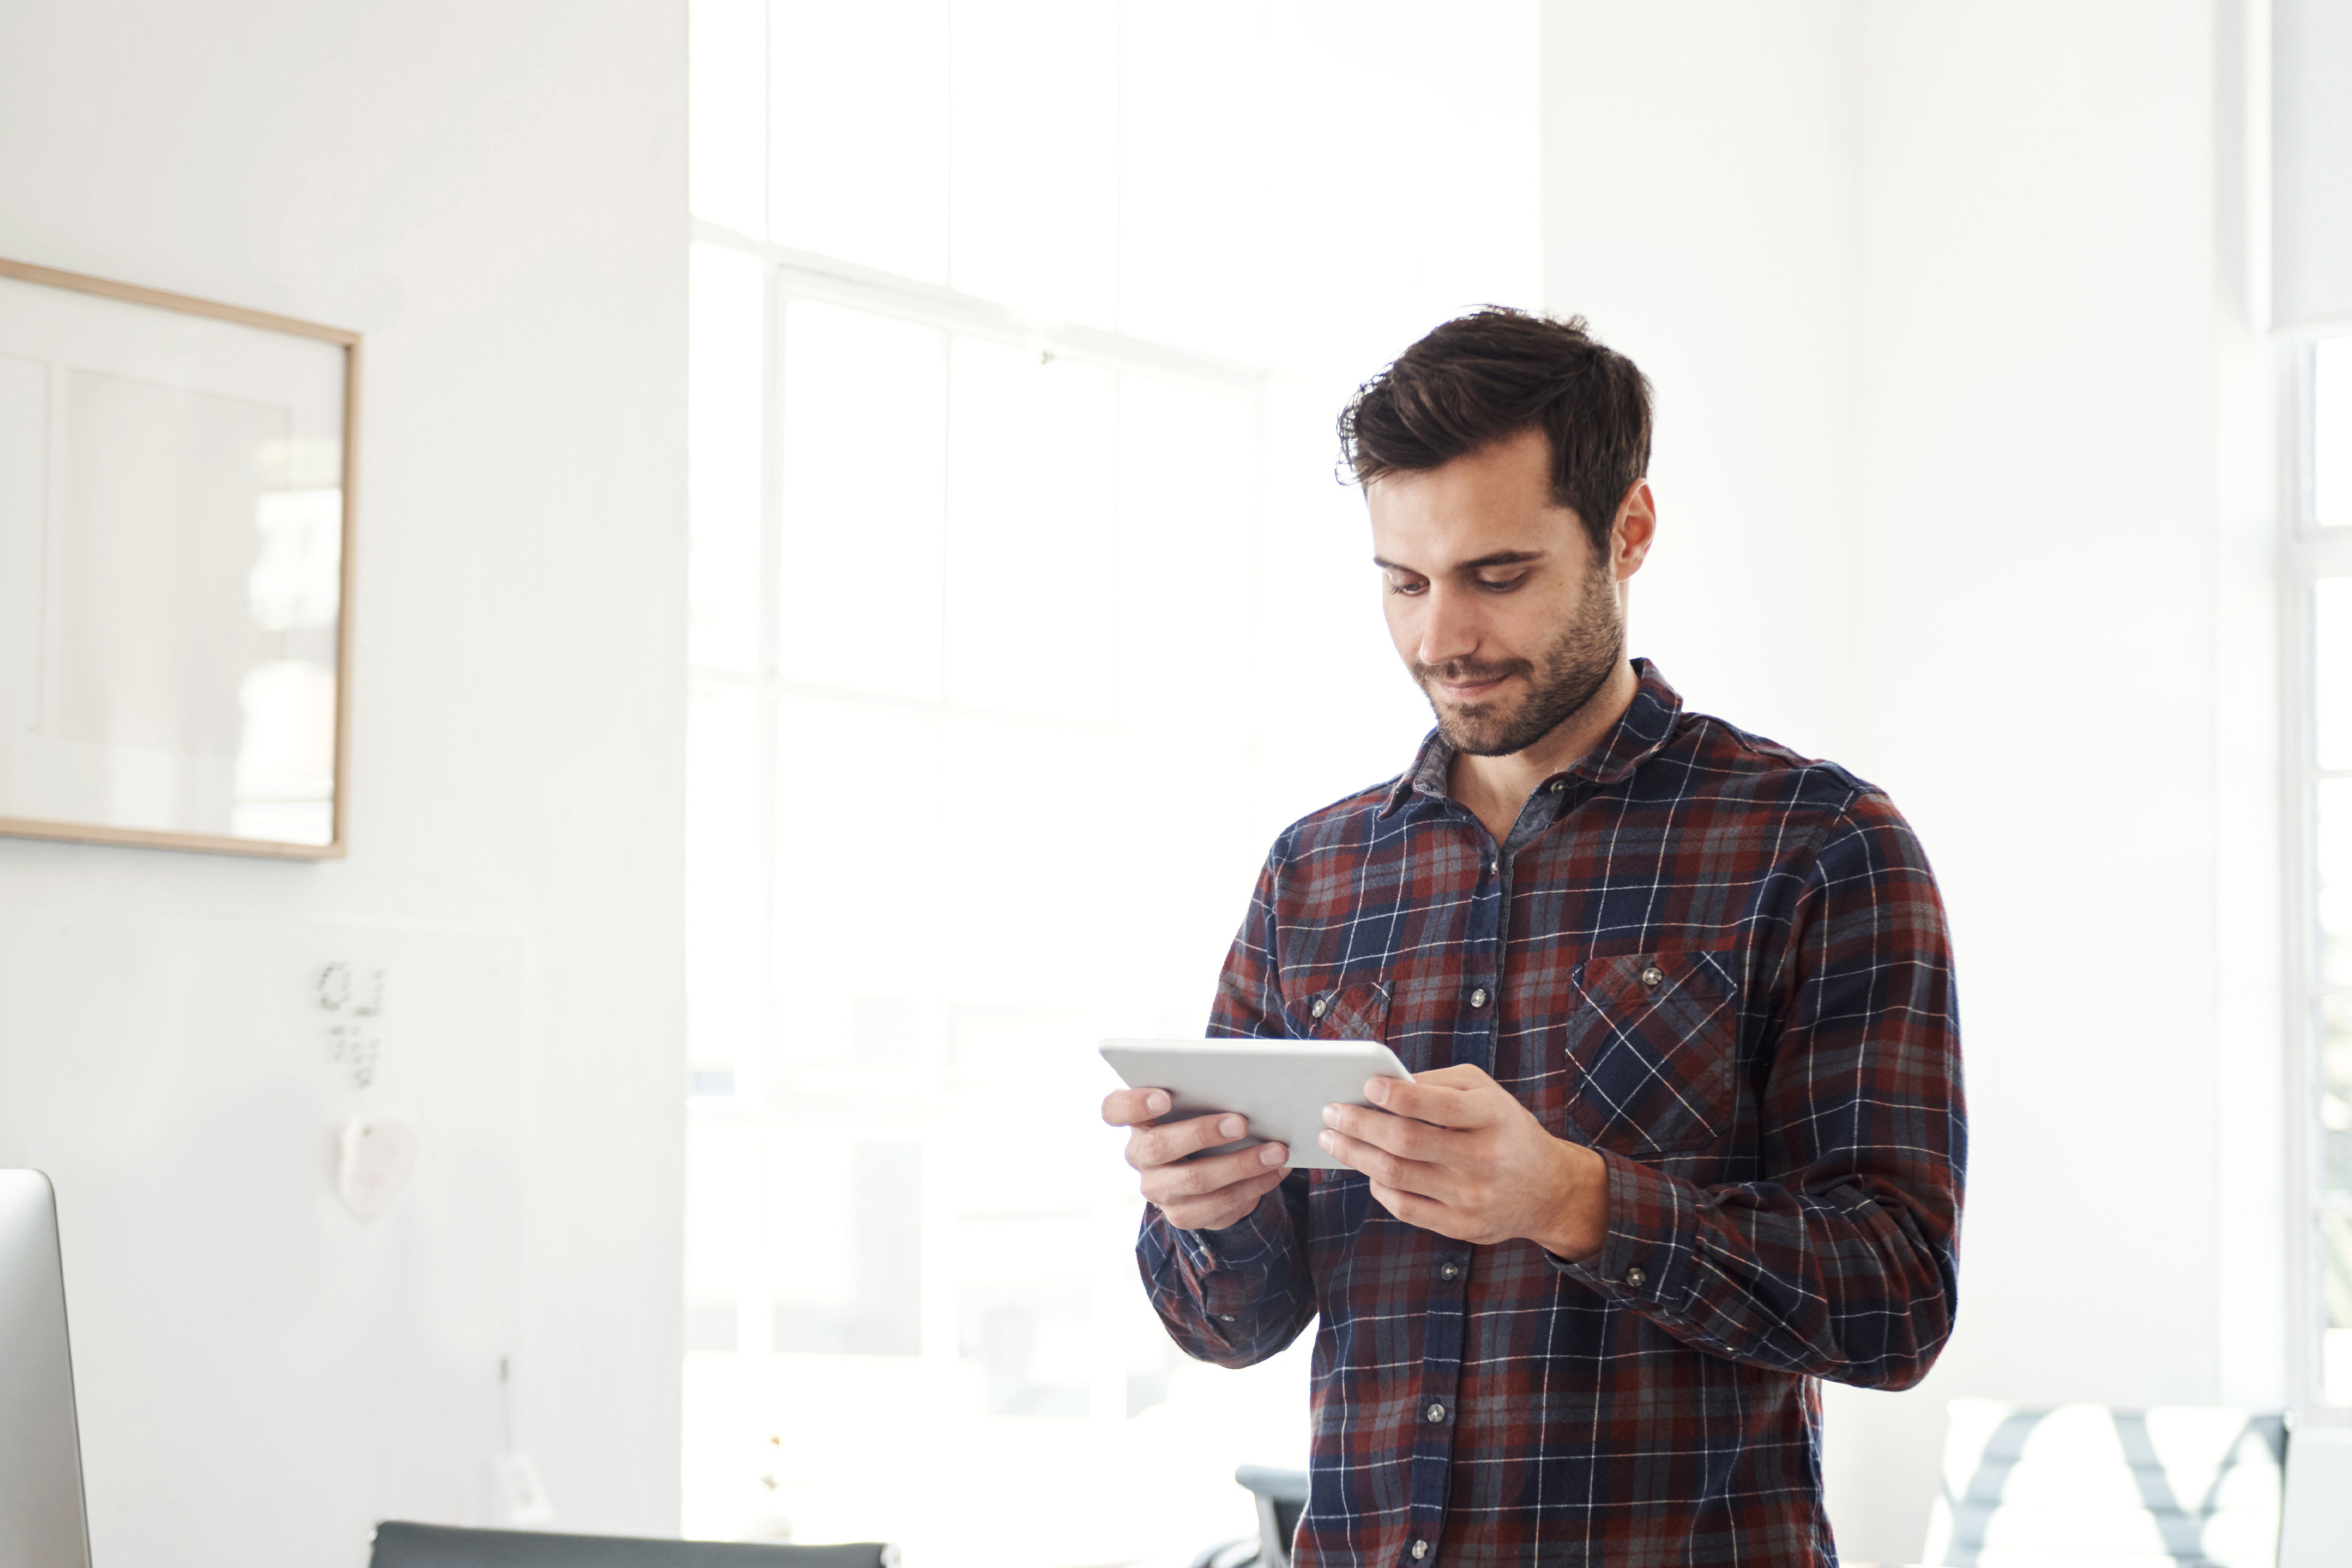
(1462, 669)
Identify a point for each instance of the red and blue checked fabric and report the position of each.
(1723, 967)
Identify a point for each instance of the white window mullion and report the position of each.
(772, 480)
(2314, 553)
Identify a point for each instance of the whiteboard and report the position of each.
(261, 1374)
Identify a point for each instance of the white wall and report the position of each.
(1950, 314)
(1700, 210)
(2037, 478)
(2039, 496)
(493, 193)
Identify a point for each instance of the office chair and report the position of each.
(1281, 1496)
(400, 1544)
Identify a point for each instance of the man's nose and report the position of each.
(1449, 629)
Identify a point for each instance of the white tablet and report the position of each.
(1282, 1086)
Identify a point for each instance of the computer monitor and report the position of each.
(41, 1519)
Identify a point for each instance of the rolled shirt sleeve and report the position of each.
(1842, 1262)
(1238, 1296)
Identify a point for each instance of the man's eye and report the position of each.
(1407, 587)
(1502, 584)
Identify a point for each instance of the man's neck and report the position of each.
(1494, 788)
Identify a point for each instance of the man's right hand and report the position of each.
(1195, 1194)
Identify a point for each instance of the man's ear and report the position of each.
(1630, 535)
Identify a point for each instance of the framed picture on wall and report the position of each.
(175, 569)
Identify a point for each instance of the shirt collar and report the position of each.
(1646, 725)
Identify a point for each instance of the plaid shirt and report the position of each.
(1722, 967)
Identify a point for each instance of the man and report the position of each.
(1684, 1130)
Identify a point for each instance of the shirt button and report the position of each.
(1228, 1317)
(1420, 1550)
(1557, 786)
(1478, 997)
(1449, 1271)
(1320, 1007)
(1652, 976)
(1437, 1413)
(1635, 1277)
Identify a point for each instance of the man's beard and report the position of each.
(1567, 674)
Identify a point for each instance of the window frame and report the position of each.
(2309, 554)
(788, 274)
(865, 1104)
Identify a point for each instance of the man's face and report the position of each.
(1494, 598)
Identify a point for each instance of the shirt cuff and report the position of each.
(1256, 1238)
(1645, 1260)
(1229, 1268)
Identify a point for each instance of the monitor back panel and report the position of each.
(41, 1523)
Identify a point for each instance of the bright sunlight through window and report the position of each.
(1026, 610)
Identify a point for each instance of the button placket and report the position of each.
(1446, 1304)
(1474, 1035)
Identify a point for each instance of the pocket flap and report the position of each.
(1353, 1012)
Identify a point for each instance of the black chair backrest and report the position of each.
(400, 1544)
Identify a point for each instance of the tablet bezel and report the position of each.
(1282, 1086)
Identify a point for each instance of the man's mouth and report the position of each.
(1469, 686)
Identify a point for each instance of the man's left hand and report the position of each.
(1453, 1152)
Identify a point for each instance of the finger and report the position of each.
(1162, 1143)
(1424, 1214)
(1409, 1139)
(1384, 1168)
(1134, 1107)
(1461, 1075)
(1443, 1104)
(1164, 1185)
(1221, 1209)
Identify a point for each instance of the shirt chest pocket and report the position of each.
(1653, 1052)
(1356, 1011)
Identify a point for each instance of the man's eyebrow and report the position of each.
(1496, 558)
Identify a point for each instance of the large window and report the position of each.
(2321, 550)
(1024, 611)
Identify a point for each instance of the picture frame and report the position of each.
(178, 523)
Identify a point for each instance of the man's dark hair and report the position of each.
(1489, 375)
